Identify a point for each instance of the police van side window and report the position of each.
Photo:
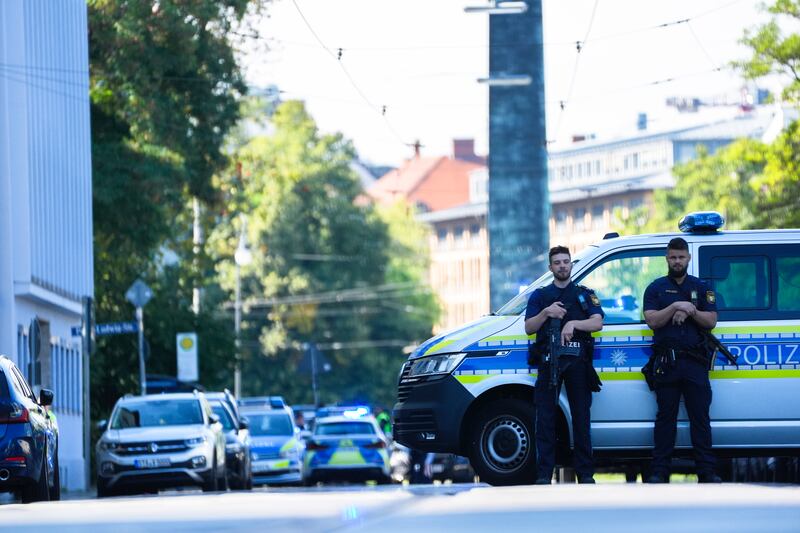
(620, 280)
(753, 283)
(741, 282)
(788, 268)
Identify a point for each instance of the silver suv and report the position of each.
(160, 441)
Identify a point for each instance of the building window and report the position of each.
(579, 219)
(441, 236)
(598, 216)
(561, 220)
(475, 234)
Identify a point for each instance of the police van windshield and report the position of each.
(519, 302)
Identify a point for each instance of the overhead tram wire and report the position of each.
(338, 59)
(579, 45)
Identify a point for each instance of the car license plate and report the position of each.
(151, 463)
(437, 469)
(261, 467)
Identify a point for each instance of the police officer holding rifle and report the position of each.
(563, 315)
(681, 309)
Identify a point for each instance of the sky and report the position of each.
(408, 68)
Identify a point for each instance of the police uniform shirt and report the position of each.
(544, 296)
(664, 291)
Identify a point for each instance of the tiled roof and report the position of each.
(433, 182)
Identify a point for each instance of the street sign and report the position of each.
(187, 356)
(139, 293)
(116, 328)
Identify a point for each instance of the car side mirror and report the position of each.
(101, 424)
(244, 424)
(213, 418)
(46, 397)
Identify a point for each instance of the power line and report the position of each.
(579, 47)
(338, 58)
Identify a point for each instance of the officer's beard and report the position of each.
(676, 273)
(562, 276)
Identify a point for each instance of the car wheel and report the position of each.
(503, 449)
(102, 489)
(55, 490)
(223, 480)
(211, 484)
(40, 490)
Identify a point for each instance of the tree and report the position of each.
(328, 269)
(164, 89)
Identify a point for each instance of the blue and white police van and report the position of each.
(469, 391)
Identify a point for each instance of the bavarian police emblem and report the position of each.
(595, 299)
(710, 298)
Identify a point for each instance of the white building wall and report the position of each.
(46, 255)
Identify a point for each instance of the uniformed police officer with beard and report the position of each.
(579, 310)
(678, 307)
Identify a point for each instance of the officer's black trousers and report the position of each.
(690, 379)
(575, 381)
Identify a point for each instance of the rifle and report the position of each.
(713, 345)
(556, 349)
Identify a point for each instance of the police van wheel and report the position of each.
(502, 441)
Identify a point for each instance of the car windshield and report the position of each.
(519, 302)
(345, 428)
(136, 414)
(224, 416)
(270, 424)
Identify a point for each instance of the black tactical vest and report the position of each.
(569, 296)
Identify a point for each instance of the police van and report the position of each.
(469, 391)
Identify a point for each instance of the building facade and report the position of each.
(46, 254)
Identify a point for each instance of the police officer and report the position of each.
(579, 310)
(678, 307)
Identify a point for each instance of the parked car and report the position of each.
(158, 384)
(347, 448)
(237, 443)
(276, 451)
(159, 441)
(28, 438)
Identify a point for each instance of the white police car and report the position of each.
(276, 451)
(470, 391)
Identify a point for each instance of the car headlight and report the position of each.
(290, 453)
(197, 441)
(109, 446)
(436, 365)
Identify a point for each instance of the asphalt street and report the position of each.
(598, 508)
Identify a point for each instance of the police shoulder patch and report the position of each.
(594, 298)
(710, 297)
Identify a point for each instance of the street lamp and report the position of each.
(242, 257)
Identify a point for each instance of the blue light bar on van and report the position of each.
(701, 222)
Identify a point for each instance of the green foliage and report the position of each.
(164, 89)
(772, 51)
(333, 271)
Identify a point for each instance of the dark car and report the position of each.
(158, 384)
(28, 439)
(237, 444)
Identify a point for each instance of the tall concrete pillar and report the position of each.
(519, 204)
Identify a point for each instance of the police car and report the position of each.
(470, 391)
(276, 451)
(348, 447)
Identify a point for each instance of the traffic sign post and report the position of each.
(139, 294)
